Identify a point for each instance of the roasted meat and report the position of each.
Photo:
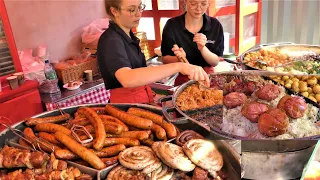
(268, 92)
(234, 99)
(253, 110)
(273, 122)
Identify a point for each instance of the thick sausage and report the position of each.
(99, 110)
(115, 120)
(134, 128)
(79, 150)
(170, 129)
(159, 131)
(65, 154)
(52, 119)
(52, 128)
(147, 142)
(80, 121)
(113, 128)
(129, 119)
(128, 142)
(110, 151)
(110, 161)
(47, 147)
(98, 127)
(79, 115)
(83, 136)
(50, 138)
(110, 127)
(155, 118)
(24, 143)
(140, 135)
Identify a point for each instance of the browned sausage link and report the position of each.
(24, 143)
(109, 127)
(52, 119)
(29, 134)
(79, 150)
(128, 142)
(50, 138)
(65, 154)
(80, 121)
(131, 128)
(159, 131)
(170, 129)
(52, 128)
(115, 120)
(155, 118)
(99, 110)
(110, 151)
(98, 127)
(110, 161)
(129, 119)
(83, 136)
(89, 128)
(140, 135)
(147, 142)
(113, 128)
(79, 115)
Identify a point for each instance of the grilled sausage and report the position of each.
(98, 127)
(79, 150)
(52, 119)
(129, 119)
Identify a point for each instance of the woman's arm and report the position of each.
(210, 57)
(142, 76)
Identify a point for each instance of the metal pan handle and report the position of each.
(166, 110)
(275, 44)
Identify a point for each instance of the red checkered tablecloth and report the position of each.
(99, 95)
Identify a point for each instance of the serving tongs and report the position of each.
(35, 142)
(75, 129)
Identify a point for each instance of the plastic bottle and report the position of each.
(49, 71)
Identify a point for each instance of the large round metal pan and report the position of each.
(287, 47)
(215, 130)
(231, 157)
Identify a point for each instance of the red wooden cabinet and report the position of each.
(24, 101)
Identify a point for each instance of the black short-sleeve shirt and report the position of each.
(117, 50)
(175, 32)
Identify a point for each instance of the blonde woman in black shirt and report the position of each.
(199, 36)
(123, 65)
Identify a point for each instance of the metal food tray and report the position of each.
(216, 133)
(230, 155)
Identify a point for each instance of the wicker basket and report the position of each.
(76, 72)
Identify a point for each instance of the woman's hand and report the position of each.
(179, 52)
(209, 69)
(201, 40)
(196, 73)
